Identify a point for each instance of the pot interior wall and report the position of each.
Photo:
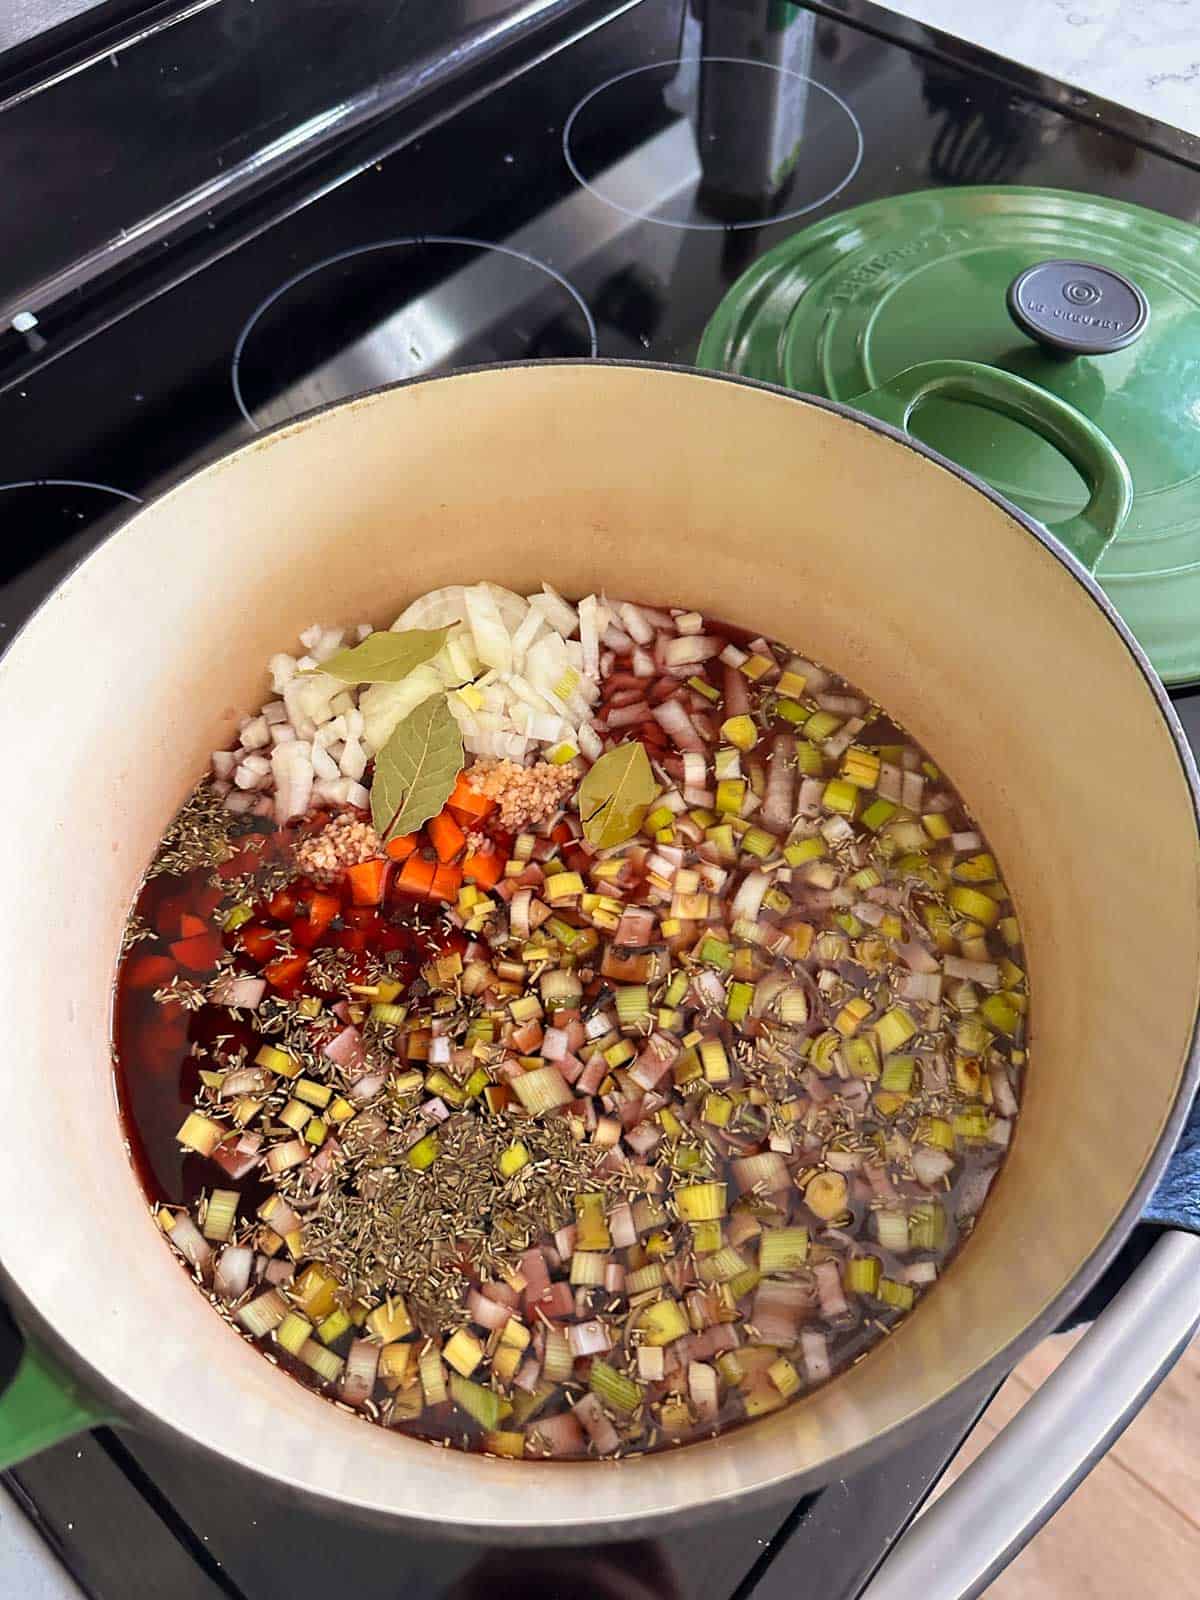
(672, 488)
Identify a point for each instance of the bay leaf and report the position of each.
(416, 769)
(386, 657)
(615, 795)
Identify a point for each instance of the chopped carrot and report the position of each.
(402, 846)
(365, 918)
(467, 804)
(416, 877)
(445, 835)
(190, 927)
(366, 882)
(146, 971)
(322, 909)
(483, 869)
(282, 905)
(199, 953)
(285, 974)
(447, 881)
(259, 943)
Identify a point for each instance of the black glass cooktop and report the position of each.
(594, 198)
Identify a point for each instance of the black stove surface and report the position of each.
(598, 203)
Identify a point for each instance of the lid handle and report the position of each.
(1077, 308)
(1089, 451)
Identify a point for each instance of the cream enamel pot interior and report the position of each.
(794, 517)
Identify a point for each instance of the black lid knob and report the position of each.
(1077, 308)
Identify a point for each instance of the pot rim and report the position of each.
(973, 1390)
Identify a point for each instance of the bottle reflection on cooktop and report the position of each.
(634, 1571)
(735, 133)
(750, 142)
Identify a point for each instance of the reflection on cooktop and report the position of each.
(759, 142)
(406, 308)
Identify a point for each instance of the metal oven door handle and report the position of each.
(969, 1535)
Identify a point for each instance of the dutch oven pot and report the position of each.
(791, 516)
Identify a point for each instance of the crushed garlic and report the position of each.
(525, 796)
(342, 843)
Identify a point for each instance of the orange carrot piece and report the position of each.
(190, 927)
(416, 877)
(483, 870)
(445, 835)
(199, 953)
(447, 881)
(287, 971)
(366, 882)
(467, 804)
(146, 971)
(402, 846)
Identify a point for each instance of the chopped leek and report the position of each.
(464, 1352)
(221, 1214)
(891, 1229)
(972, 903)
(484, 1405)
(277, 1061)
(700, 1202)
(293, 1333)
(862, 1274)
(331, 1328)
(902, 1296)
(927, 1226)
(663, 1322)
(783, 1249)
(1000, 1013)
(826, 1195)
(200, 1133)
(588, 1268)
(433, 1376)
(614, 1388)
(784, 1376)
(740, 731)
(323, 1362)
(390, 1321)
(424, 1153)
(840, 797)
(898, 1074)
(894, 1029)
(853, 1014)
(633, 1005)
(714, 1061)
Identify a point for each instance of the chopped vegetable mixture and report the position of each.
(562, 1031)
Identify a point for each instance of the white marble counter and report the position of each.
(1144, 54)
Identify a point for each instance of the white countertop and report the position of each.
(1144, 54)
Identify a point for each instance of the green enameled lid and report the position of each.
(1093, 301)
